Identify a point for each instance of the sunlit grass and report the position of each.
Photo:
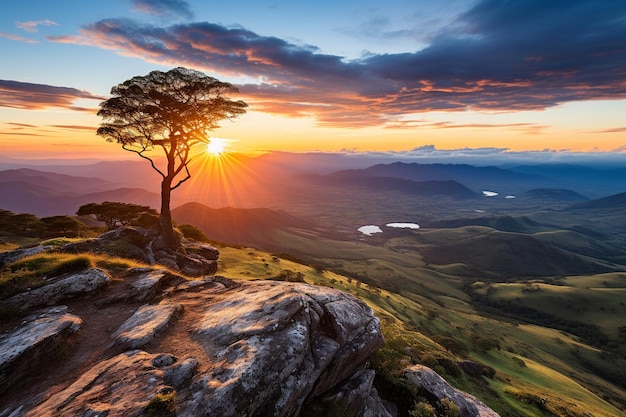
(36, 271)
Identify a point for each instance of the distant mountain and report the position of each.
(616, 201)
(557, 195)
(355, 179)
(571, 172)
(54, 182)
(479, 178)
(241, 226)
(47, 194)
(591, 181)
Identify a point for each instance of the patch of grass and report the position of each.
(60, 241)
(34, 271)
(9, 241)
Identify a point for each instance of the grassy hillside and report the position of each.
(538, 370)
(441, 318)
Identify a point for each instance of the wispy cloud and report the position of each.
(612, 130)
(16, 38)
(20, 95)
(497, 56)
(176, 8)
(32, 26)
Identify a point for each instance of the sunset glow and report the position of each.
(216, 146)
(353, 77)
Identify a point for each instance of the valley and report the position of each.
(528, 280)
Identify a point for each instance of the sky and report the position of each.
(535, 79)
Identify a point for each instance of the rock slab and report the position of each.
(256, 349)
(428, 380)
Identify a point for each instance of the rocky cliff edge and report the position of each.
(154, 343)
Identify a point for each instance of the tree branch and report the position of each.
(140, 153)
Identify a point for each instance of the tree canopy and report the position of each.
(114, 214)
(170, 113)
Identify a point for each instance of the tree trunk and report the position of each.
(167, 230)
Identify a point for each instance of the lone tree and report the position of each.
(170, 112)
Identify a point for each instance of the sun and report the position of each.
(216, 146)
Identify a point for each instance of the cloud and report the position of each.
(176, 8)
(497, 56)
(33, 25)
(613, 130)
(20, 95)
(16, 38)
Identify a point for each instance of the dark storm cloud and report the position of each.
(178, 8)
(500, 56)
(19, 95)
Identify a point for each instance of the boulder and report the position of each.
(150, 283)
(278, 345)
(124, 385)
(17, 254)
(247, 348)
(428, 381)
(144, 325)
(73, 285)
(24, 349)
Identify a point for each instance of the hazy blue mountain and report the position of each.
(616, 201)
(378, 184)
(477, 178)
(557, 195)
(55, 182)
(46, 193)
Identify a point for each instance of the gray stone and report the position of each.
(181, 373)
(277, 344)
(16, 255)
(348, 399)
(251, 348)
(23, 349)
(428, 380)
(144, 325)
(120, 386)
(73, 285)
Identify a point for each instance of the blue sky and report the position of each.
(397, 76)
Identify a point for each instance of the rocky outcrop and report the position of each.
(201, 347)
(193, 258)
(34, 342)
(12, 256)
(434, 386)
(59, 289)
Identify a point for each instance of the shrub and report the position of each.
(192, 232)
(423, 409)
(289, 276)
(449, 408)
(453, 345)
(161, 405)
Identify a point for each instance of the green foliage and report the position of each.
(449, 408)
(161, 405)
(192, 232)
(453, 345)
(115, 214)
(519, 362)
(423, 409)
(289, 276)
(146, 220)
(61, 226)
(485, 344)
(22, 224)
